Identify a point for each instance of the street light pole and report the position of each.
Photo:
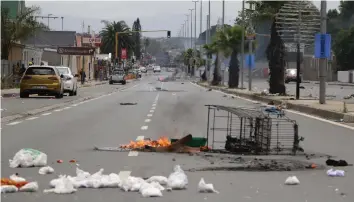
(323, 61)
(187, 29)
(195, 26)
(62, 23)
(242, 41)
(191, 27)
(48, 19)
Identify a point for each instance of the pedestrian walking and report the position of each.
(83, 76)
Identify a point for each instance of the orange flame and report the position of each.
(161, 142)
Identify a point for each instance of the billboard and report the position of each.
(123, 54)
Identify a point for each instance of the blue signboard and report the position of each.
(323, 45)
(250, 61)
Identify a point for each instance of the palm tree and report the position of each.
(187, 55)
(210, 50)
(265, 11)
(108, 34)
(136, 38)
(12, 31)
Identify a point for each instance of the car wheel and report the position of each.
(71, 93)
(24, 95)
(59, 95)
(75, 93)
(286, 81)
(110, 82)
(124, 82)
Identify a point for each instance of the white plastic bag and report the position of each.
(130, 182)
(150, 189)
(28, 158)
(30, 187)
(292, 180)
(206, 188)
(162, 180)
(62, 186)
(335, 173)
(178, 179)
(17, 178)
(8, 188)
(46, 170)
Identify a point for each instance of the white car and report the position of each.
(70, 81)
(143, 69)
(157, 69)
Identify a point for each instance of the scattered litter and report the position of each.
(30, 187)
(72, 161)
(335, 163)
(60, 161)
(132, 183)
(8, 188)
(302, 87)
(128, 103)
(335, 173)
(209, 89)
(177, 179)
(17, 178)
(28, 158)
(8, 181)
(292, 180)
(160, 179)
(182, 83)
(206, 188)
(46, 170)
(62, 186)
(151, 189)
(224, 95)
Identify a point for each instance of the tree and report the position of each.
(187, 55)
(136, 38)
(344, 49)
(108, 34)
(266, 10)
(21, 28)
(211, 49)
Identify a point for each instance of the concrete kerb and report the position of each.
(331, 115)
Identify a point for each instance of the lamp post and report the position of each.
(48, 18)
(195, 25)
(191, 27)
(242, 41)
(187, 30)
(323, 61)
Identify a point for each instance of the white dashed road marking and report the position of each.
(152, 111)
(144, 127)
(147, 120)
(58, 110)
(14, 123)
(67, 107)
(140, 138)
(153, 108)
(153, 105)
(135, 153)
(46, 114)
(32, 118)
(123, 175)
(149, 115)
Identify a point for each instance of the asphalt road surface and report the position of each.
(72, 134)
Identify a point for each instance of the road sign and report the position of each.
(323, 45)
(87, 40)
(251, 37)
(250, 61)
(75, 51)
(123, 55)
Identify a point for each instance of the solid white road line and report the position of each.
(288, 110)
(32, 118)
(144, 127)
(58, 110)
(14, 123)
(74, 105)
(149, 115)
(147, 120)
(123, 175)
(67, 108)
(46, 114)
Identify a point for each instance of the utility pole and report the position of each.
(242, 41)
(62, 23)
(49, 16)
(250, 38)
(209, 36)
(221, 56)
(223, 14)
(323, 61)
(195, 26)
(187, 30)
(201, 18)
(191, 27)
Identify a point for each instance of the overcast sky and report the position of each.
(153, 15)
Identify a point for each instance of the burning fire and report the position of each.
(161, 142)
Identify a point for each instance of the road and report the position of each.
(72, 134)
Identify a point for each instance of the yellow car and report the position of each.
(42, 80)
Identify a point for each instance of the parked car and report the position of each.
(290, 75)
(70, 81)
(157, 69)
(42, 80)
(143, 69)
(118, 76)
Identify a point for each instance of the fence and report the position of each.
(8, 76)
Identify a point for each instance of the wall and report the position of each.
(346, 76)
(311, 69)
(52, 57)
(15, 53)
(30, 52)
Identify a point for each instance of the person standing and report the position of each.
(83, 76)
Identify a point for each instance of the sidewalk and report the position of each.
(333, 110)
(331, 83)
(14, 92)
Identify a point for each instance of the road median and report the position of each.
(333, 110)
